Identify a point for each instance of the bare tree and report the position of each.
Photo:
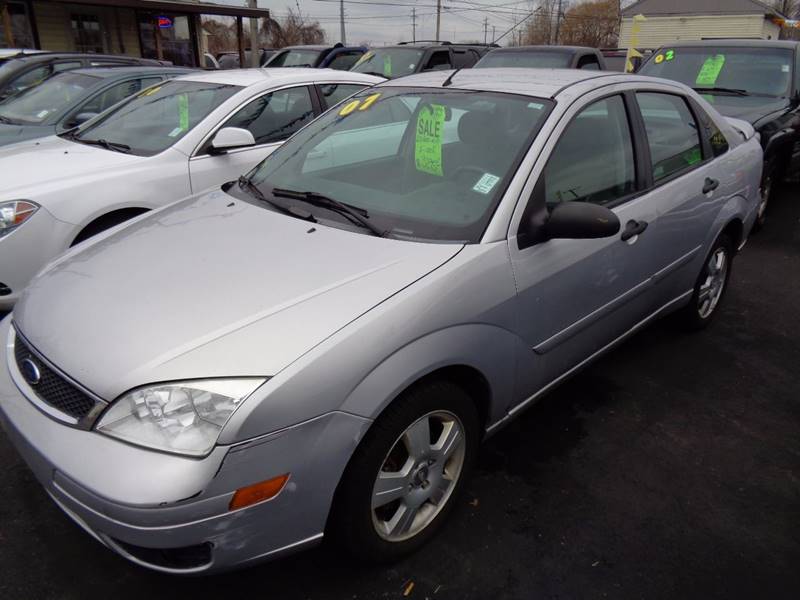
(292, 30)
(594, 24)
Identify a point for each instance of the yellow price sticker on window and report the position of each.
(150, 91)
(358, 103)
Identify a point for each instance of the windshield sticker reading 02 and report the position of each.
(428, 142)
(668, 55)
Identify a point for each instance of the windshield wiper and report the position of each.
(116, 147)
(252, 188)
(721, 90)
(7, 121)
(357, 215)
(375, 73)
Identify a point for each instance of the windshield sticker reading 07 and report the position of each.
(428, 141)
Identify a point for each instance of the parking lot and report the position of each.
(669, 469)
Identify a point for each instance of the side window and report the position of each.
(66, 66)
(715, 137)
(589, 63)
(274, 117)
(672, 133)
(593, 160)
(111, 96)
(334, 93)
(462, 59)
(344, 60)
(439, 61)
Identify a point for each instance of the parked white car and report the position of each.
(168, 141)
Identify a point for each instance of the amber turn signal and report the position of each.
(258, 492)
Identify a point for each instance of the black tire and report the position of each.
(770, 180)
(351, 524)
(692, 316)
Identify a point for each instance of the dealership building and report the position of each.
(167, 30)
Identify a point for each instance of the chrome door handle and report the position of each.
(632, 229)
(710, 185)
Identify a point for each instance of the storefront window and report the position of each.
(167, 36)
(86, 33)
(15, 26)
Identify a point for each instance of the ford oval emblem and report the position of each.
(30, 371)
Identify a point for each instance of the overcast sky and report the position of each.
(389, 21)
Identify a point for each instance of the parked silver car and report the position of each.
(320, 347)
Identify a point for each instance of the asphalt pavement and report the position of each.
(669, 469)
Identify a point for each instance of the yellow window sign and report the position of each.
(358, 103)
(428, 141)
(709, 72)
(150, 91)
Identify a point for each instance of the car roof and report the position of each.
(540, 83)
(277, 76)
(734, 43)
(546, 48)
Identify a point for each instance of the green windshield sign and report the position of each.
(387, 66)
(183, 112)
(428, 142)
(709, 72)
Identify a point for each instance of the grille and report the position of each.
(52, 388)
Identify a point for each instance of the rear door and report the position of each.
(271, 117)
(688, 187)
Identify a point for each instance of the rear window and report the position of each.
(525, 59)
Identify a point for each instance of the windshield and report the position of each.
(527, 58)
(757, 71)
(424, 164)
(34, 105)
(389, 62)
(156, 118)
(295, 58)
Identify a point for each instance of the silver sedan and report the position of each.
(318, 348)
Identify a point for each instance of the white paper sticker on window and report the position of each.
(42, 114)
(486, 183)
(785, 68)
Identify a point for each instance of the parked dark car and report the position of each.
(617, 57)
(337, 57)
(753, 80)
(544, 57)
(65, 100)
(407, 58)
(26, 68)
(230, 60)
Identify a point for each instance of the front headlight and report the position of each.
(184, 417)
(14, 213)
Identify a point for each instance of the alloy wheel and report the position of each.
(418, 476)
(713, 286)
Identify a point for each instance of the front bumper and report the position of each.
(152, 507)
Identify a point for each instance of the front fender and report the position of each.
(488, 349)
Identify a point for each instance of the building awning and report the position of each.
(205, 8)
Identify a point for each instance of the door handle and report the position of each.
(710, 185)
(632, 229)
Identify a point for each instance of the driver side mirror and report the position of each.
(81, 118)
(229, 138)
(580, 221)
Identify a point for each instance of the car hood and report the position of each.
(211, 286)
(11, 134)
(748, 108)
(53, 163)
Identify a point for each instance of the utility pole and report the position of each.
(413, 24)
(341, 21)
(255, 53)
(493, 33)
(558, 20)
(485, 28)
(438, 17)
